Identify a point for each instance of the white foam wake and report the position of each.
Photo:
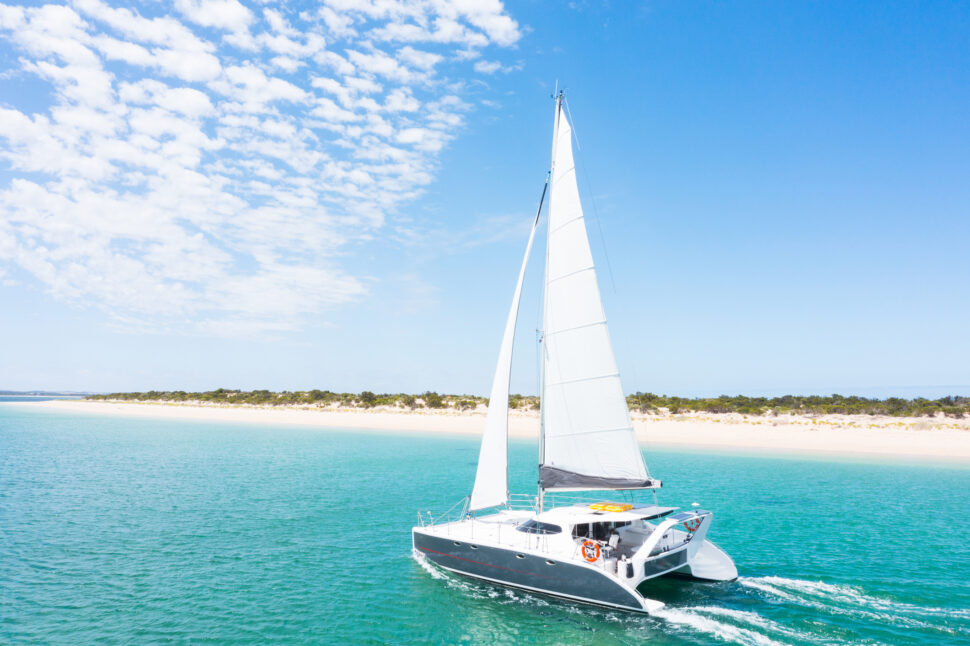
(850, 601)
(745, 627)
(427, 567)
(852, 595)
(753, 619)
(721, 630)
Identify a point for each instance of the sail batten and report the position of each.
(578, 327)
(594, 431)
(587, 434)
(572, 273)
(573, 381)
(563, 224)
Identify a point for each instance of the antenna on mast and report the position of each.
(558, 93)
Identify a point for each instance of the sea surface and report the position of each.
(117, 530)
(5, 399)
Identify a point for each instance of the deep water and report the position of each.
(118, 530)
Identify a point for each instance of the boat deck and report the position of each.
(502, 529)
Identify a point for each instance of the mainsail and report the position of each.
(588, 440)
(491, 479)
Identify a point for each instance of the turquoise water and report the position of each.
(5, 399)
(132, 531)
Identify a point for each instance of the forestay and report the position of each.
(589, 441)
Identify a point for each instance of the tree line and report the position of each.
(952, 406)
(364, 399)
(805, 405)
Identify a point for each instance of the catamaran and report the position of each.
(603, 551)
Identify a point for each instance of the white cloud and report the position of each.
(490, 67)
(206, 170)
(120, 50)
(487, 67)
(419, 59)
(382, 64)
(221, 14)
(470, 23)
(401, 100)
(490, 17)
(286, 63)
(339, 24)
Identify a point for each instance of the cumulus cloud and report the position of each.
(204, 169)
(491, 67)
(221, 14)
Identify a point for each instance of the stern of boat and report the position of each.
(679, 547)
(709, 563)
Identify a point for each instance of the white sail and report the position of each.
(491, 479)
(589, 441)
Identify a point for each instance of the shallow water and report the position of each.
(137, 531)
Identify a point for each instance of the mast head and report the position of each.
(558, 94)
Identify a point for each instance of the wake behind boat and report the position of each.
(604, 552)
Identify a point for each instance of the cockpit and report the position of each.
(599, 531)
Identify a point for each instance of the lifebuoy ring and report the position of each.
(591, 551)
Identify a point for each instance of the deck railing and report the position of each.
(523, 502)
(456, 512)
(526, 502)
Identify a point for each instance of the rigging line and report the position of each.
(539, 302)
(592, 198)
(636, 380)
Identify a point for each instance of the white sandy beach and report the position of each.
(935, 439)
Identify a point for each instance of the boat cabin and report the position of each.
(618, 529)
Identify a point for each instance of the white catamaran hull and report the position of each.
(710, 563)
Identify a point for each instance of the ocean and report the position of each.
(118, 530)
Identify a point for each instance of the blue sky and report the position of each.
(337, 195)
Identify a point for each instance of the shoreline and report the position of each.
(833, 436)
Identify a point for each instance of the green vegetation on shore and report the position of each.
(802, 405)
(642, 402)
(365, 399)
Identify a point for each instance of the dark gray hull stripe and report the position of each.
(544, 593)
(527, 571)
(497, 567)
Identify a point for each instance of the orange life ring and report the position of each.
(591, 551)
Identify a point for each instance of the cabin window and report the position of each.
(597, 531)
(535, 527)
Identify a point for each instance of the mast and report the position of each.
(559, 95)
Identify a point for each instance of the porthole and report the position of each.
(457, 543)
(550, 562)
(520, 556)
